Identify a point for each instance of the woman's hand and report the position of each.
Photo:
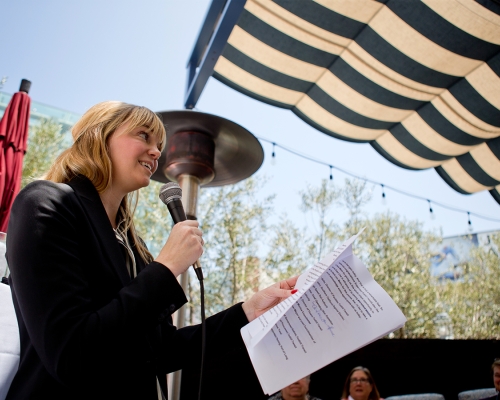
(267, 298)
(183, 247)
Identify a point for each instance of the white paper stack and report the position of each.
(338, 309)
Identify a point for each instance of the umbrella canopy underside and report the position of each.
(418, 80)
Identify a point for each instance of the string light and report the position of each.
(448, 207)
(430, 210)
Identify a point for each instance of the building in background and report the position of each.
(41, 111)
(450, 259)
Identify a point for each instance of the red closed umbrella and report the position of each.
(13, 143)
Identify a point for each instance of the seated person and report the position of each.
(296, 391)
(496, 379)
(360, 385)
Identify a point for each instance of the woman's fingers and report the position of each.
(183, 247)
(267, 298)
(289, 283)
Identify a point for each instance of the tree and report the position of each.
(320, 202)
(287, 254)
(233, 221)
(152, 219)
(45, 143)
(473, 302)
(397, 253)
(353, 196)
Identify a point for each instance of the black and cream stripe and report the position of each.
(419, 80)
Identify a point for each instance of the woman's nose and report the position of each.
(155, 152)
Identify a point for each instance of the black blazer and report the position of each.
(87, 330)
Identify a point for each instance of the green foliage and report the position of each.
(287, 256)
(473, 302)
(234, 222)
(320, 202)
(152, 219)
(397, 253)
(353, 196)
(45, 143)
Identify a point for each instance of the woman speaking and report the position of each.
(93, 305)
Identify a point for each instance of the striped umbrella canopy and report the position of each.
(418, 80)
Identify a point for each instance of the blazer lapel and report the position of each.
(93, 207)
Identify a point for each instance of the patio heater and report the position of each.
(203, 150)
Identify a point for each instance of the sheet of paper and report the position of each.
(338, 309)
(261, 326)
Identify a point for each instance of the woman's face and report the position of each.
(360, 386)
(134, 157)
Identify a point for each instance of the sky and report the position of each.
(78, 53)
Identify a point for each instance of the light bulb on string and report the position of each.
(384, 198)
(469, 221)
(431, 212)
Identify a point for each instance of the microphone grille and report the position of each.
(170, 191)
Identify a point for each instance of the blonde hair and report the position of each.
(88, 156)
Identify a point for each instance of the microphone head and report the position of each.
(170, 191)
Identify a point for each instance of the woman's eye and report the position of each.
(144, 135)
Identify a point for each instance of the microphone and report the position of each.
(171, 195)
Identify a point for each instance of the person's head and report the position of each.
(296, 390)
(360, 385)
(90, 154)
(496, 373)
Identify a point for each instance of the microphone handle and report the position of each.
(177, 212)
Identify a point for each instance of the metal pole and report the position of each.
(190, 159)
(189, 185)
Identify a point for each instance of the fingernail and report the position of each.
(294, 291)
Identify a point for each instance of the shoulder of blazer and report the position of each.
(40, 190)
(42, 195)
(36, 188)
(85, 188)
(79, 192)
(80, 198)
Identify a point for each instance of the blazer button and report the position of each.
(171, 308)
